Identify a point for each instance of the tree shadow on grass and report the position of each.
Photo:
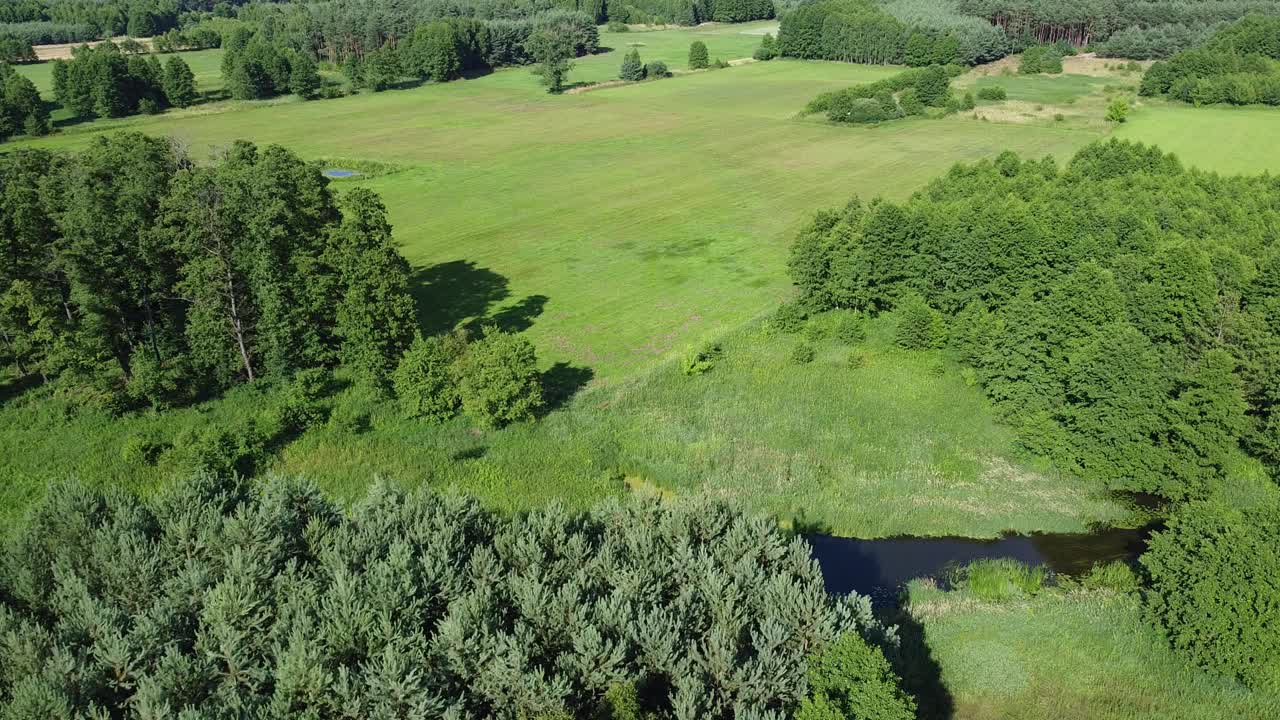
(13, 387)
(561, 382)
(448, 293)
(518, 317)
(921, 674)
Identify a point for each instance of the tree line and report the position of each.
(221, 598)
(104, 81)
(863, 31)
(62, 21)
(906, 94)
(1123, 312)
(1236, 65)
(137, 277)
(1088, 22)
(21, 108)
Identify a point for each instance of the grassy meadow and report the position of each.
(619, 229)
(1067, 655)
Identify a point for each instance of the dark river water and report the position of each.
(879, 568)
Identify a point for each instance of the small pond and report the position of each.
(338, 173)
(879, 568)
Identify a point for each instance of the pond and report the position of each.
(879, 568)
(338, 173)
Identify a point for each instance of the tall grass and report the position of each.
(999, 579)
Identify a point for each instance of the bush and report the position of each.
(851, 679)
(1041, 59)
(300, 407)
(657, 69)
(424, 380)
(348, 420)
(1214, 589)
(803, 353)
(768, 49)
(498, 379)
(720, 64)
(632, 69)
(789, 318)
(1000, 579)
(616, 26)
(143, 448)
(920, 327)
(698, 57)
(993, 93)
(1118, 110)
(701, 361)
(909, 102)
(857, 359)
(851, 329)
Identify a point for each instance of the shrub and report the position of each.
(861, 110)
(1118, 110)
(857, 359)
(701, 361)
(851, 328)
(1000, 579)
(424, 380)
(789, 318)
(909, 102)
(1041, 59)
(632, 69)
(768, 49)
(348, 419)
(498, 379)
(920, 327)
(143, 448)
(993, 93)
(698, 57)
(617, 26)
(1214, 589)
(803, 353)
(967, 103)
(720, 64)
(851, 679)
(657, 69)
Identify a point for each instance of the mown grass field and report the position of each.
(618, 229)
(1080, 655)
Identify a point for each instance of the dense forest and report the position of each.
(139, 277)
(220, 598)
(1122, 311)
(1239, 64)
(1123, 314)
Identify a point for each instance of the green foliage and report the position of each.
(656, 69)
(1041, 59)
(1118, 110)
(632, 68)
(304, 76)
(498, 379)
(179, 82)
(852, 680)
(1236, 65)
(789, 318)
(803, 353)
(698, 59)
(101, 81)
(1115, 576)
(1100, 350)
(1214, 589)
(768, 49)
(266, 598)
(994, 93)
(552, 50)
(617, 26)
(920, 327)
(143, 448)
(701, 361)
(999, 579)
(424, 381)
(903, 32)
(917, 88)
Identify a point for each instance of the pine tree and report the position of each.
(698, 58)
(179, 82)
(304, 77)
(632, 68)
(376, 318)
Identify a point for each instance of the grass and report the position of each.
(1243, 140)
(1047, 89)
(618, 229)
(1068, 655)
(1000, 579)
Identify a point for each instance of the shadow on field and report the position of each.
(450, 292)
(11, 387)
(562, 381)
(518, 317)
(921, 674)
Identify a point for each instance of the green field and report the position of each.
(1068, 655)
(620, 228)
